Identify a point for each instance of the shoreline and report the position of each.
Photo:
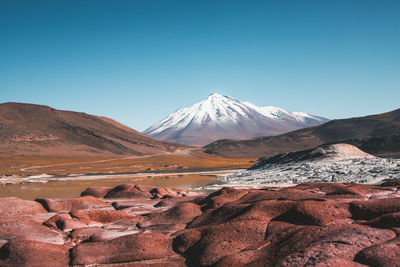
(45, 178)
(43, 186)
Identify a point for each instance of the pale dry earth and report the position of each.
(342, 163)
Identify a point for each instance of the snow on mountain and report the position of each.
(220, 117)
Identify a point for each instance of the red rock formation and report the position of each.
(102, 216)
(386, 220)
(305, 225)
(137, 247)
(369, 209)
(67, 204)
(33, 254)
(64, 222)
(385, 254)
(316, 212)
(16, 206)
(99, 192)
(223, 239)
(27, 228)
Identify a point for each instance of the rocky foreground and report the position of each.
(315, 224)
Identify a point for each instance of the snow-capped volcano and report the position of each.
(222, 117)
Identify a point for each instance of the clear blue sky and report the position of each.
(138, 61)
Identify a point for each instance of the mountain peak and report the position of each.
(220, 116)
(217, 96)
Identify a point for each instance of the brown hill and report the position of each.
(375, 134)
(28, 129)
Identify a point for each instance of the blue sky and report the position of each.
(138, 61)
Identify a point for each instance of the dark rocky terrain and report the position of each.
(27, 129)
(382, 145)
(314, 224)
(376, 134)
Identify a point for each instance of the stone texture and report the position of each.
(306, 225)
(27, 228)
(369, 209)
(102, 216)
(98, 192)
(64, 222)
(385, 254)
(15, 206)
(316, 212)
(183, 212)
(137, 247)
(67, 204)
(315, 245)
(28, 253)
(219, 198)
(140, 191)
(386, 220)
(220, 240)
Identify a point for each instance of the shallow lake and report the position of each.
(58, 189)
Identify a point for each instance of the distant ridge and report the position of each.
(28, 129)
(221, 116)
(376, 134)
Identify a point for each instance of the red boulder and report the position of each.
(131, 248)
(16, 206)
(67, 204)
(28, 253)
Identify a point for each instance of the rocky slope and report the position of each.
(27, 129)
(325, 163)
(316, 153)
(221, 116)
(375, 134)
(320, 224)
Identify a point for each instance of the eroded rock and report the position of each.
(31, 253)
(316, 212)
(305, 225)
(136, 247)
(385, 254)
(99, 192)
(370, 209)
(313, 245)
(27, 228)
(64, 222)
(67, 204)
(102, 216)
(220, 240)
(12, 206)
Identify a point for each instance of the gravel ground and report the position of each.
(340, 169)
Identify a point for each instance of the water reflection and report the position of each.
(53, 189)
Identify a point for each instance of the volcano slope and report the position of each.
(220, 116)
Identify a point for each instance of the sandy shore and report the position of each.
(44, 178)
